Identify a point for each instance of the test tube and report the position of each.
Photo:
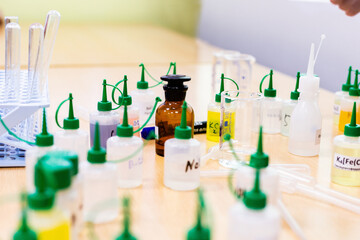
(10, 19)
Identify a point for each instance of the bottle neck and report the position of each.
(308, 96)
(175, 95)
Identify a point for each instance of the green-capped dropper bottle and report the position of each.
(288, 108)
(271, 108)
(44, 142)
(24, 232)
(340, 95)
(346, 103)
(72, 138)
(126, 146)
(346, 155)
(182, 158)
(97, 174)
(126, 234)
(213, 117)
(107, 118)
(257, 219)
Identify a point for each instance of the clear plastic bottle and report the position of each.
(339, 96)
(100, 196)
(72, 138)
(44, 143)
(254, 219)
(121, 146)
(108, 120)
(144, 98)
(245, 175)
(271, 108)
(288, 108)
(345, 168)
(182, 158)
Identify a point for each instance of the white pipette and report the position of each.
(289, 219)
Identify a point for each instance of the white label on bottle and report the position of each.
(317, 136)
(156, 132)
(346, 162)
(336, 109)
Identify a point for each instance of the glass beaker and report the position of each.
(239, 68)
(241, 118)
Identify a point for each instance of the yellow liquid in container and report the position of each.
(345, 117)
(60, 232)
(213, 126)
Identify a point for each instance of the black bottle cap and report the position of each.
(175, 90)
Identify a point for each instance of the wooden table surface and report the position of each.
(84, 55)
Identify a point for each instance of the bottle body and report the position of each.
(286, 112)
(168, 116)
(129, 172)
(73, 140)
(213, 122)
(182, 164)
(133, 117)
(345, 169)
(32, 155)
(49, 224)
(305, 127)
(271, 112)
(144, 99)
(269, 181)
(339, 96)
(248, 224)
(108, 122)
(346, 106)
(100, 190)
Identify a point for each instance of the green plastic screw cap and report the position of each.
(104, 105)
(58, 172)
(24, 232)
(96, 154)
(71, 122)
(270, 91)
(255, 199)
(67, 155)
(44, 139)
(183, 131)
(125, 98)
(125, 129)
(346, 86)
(354, 90)
(259, 159)
(294, 95)
(142, 84)
(352, 129)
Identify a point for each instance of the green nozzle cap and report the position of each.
(183, 131)
(68, 155)
(58, 172)
(354, 90)
(346, 86)
(71, 122)
(255, 199)
(43, 197)
(142, 84)
(125, 129)
(352, 129)
(104, 105)
(218, 95)
(126, 234)
(294, 95)
(24, 232)
(270, 91)
(125, 98)
(97, 154)
(44, 139)
(259, 159)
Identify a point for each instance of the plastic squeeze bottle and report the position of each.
(259, 160)
(133, 111)
(345, 168)
(126, 233)
(213, 117)
(106, 117)
(71, 137)
(143, 98)
(339, 96)
(254, 219)
(271, 108)
(100, 188)
(346, 104)
(44, 143)
(168, 114)
(182, 158)
(129, 172)
(24, 232)
(46, 220)
(288, 108)
(305, 124)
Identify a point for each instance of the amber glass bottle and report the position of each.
(168, 114)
